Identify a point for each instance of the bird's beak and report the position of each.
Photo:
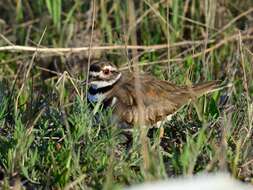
(85, 82)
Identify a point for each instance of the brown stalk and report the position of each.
(90, 44)
(47, 50)
(141, 125)
(80, 49)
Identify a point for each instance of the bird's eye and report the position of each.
(106, 71)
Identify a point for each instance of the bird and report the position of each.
(157, 99)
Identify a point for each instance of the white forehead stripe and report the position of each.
(109, 67)
(100, 73)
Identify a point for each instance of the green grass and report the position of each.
(49, 137)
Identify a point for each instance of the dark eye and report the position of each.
(106, 71)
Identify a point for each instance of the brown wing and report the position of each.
(157, 98)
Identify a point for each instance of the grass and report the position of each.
(49, 137)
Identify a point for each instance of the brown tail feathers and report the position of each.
(207, 87)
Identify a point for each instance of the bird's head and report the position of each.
(103, 74)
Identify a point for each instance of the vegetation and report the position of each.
(49, 138)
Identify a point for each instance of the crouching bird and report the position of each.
(157, 99)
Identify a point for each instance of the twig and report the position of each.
(29, 64)
(222, 42)
(80, 49)
(233, 21)
(6, 40)
(57, 73)
(19, 48)
(214, 47)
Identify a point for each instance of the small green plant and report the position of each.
(55, 10)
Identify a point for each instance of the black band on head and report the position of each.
(94, 68)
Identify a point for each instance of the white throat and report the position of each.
(102, 84)
(99, 97)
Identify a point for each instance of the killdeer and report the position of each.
(158, 99)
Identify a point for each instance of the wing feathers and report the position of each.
(157, 98)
